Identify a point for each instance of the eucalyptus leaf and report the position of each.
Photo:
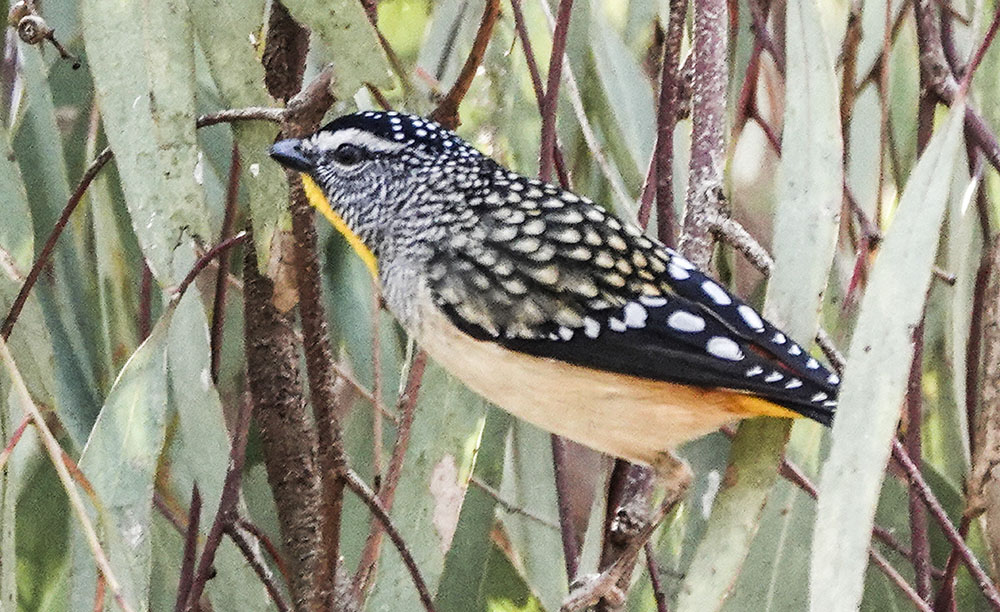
(875, 380)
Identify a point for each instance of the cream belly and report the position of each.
(625, 416)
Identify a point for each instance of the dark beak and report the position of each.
(289, 153)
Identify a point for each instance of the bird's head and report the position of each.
(370, 172)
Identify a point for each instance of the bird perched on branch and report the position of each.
(545, 303)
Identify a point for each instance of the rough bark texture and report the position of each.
(984, 487)
(288, 436)
(284, 53)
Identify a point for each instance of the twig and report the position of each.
(249, 527)
(204, 260)
(589, 137)
(980, 52)
(43, 257)
(571, 546)
(920, 553)
(145, 313)
(987, 587)
(446, 112)
(225, 116)
(654, 578)
(55, 453)
(387, 492)
(232, 529)
(219, 300)
(548, 137)
(944, 602)
(509, 507)
(304, 114)
(190, 554)
(14, 439)
(226, 512)
(898, 580)
(358, 486)
(666, 119)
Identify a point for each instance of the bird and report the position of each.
(545, 303)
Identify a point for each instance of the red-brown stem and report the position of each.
(219, 301)
(204, 260)
(659, 595)
(387, 492)
(190, 551)
(358, 486)
(272, 550)
(987, 587)
(666, 119)
(571, 547)
(945, 600)
(446, 112)
(227, 504)
(920, 554)
(256, 562)
(977, 57)
(43, 257)
(551, 100)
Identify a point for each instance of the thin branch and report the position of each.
(666, 119)
(883, 564)
(206, 259)
(550, 104)
(654, 579)
(358, 486)
(509, 507)
(387, 492)
(987, 587)
(43, 257)
(14, 439)
(219, 300)
(55, 453)
(232, 529)
(248, 526)
(920, 546)
(446, 112)
(190, 554)
(226, 512)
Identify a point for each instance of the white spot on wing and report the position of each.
(812, 364)
(779, 338)
(717, 293)
(676, 272)
(635, 315)
(755, 371)
(819, 397)
(565, 333)
(794, 350)
(616, 325)
(833, 379)
(773, 377)
(591, 328)
(687, 322)
(653, 301)
(794, 383)
(751, 317)
(724, 348)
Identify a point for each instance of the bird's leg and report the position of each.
(675, 474)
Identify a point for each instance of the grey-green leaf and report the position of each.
(875, 380)
(142, 60)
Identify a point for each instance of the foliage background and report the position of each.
(124, 376)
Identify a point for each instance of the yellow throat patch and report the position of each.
(318, 201)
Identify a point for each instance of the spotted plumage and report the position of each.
(528, 268)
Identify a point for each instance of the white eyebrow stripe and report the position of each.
(331, 140)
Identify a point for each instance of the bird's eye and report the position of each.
(348, 154)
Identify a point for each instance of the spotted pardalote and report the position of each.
(545, 303)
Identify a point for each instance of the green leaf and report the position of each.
(228, 33)
(468, 558)
(344, 28)
(446, 431)
(627, 89)
(805, 231)
(120, 461)
(875, 379)
(143, 75)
